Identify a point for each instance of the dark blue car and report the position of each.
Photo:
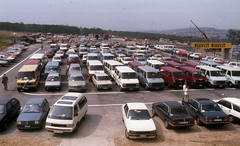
(33, 114)
(9, 109)
(206, 111)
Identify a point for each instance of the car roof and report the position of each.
(135, 63)
(155, 62)
(75, 64)
(148, 69)
(66, 101)
(52, 63)
(124, 69)
(35, 101)
(28, 68)
(204, 100)
(173, 104)
(191, 69)
(171, 69)
(228, 68)
(101, 74)
(32, 62)
(206, 67)
(136, 105)
(76, 73)
(5, 100)
(234, 100)
(53, 74)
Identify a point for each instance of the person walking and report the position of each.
(5, 81)
(186, 93)
(184, 88)
(42, 46)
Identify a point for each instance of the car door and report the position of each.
(225, 106)
(192, 107)
(125, 114)
(10, 112)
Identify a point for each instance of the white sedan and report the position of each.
(57, 59)
(138, 122)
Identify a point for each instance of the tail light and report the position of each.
(226, 119)
(191, 122)
(209, 120)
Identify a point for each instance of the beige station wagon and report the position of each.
(102, 81)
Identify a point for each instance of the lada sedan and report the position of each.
(138, 122)
(76, 82)
(173, 114)
(101, 81)
(53, 81)
(206, 111)
(34, 114)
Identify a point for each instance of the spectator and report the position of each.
(5, 81)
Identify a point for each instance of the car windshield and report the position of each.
(178, 75)
(75, 68)
(183, 59)
(76, 78)
(178, 111)
(32, 108)
(56, 57)
(2, 109)
(61, 112)
(138, 114)
(59, 52)
(197, 75)
(108, 57)
(153, 75)
(168, 59)
(48, 52)
(92, 58)
(51, 69)
(127, 59)
(73, 58)
(210, 108)
(52, 78)
(83, 50)
(157, 66)
(25, 75)
(235, 73)
(96, 67)
(216, 73)
(101, 78)
(129, 76)
(140, 59)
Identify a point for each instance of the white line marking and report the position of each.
(19, 63)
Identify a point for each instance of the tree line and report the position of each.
(233, 36)
(58, 29)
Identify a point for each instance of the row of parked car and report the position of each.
(66, 114)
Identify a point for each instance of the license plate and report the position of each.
(157, 88)
(104, 88)
(143, 136)
(183, 122)
(27, 126)
(220, 85)
(131, 89)
(217, 120)
(180, 85)
(58, 131)
(200, 85)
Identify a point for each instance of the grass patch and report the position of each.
(6, 39)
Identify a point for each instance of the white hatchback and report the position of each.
(138, 122)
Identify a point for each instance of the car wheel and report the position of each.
(230, 84)
(154, 112)
(166, 124)
(46, 89)
(126, 134)
(231, 119)
(19, 89)
(84, 117)
(76, 128)
(4, 126)
(209, 85)
(42, 124)
(168, 85)
(199, 123)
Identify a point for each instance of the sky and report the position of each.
(124, 15)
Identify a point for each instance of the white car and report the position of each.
(102, 81)
(57, 58)
(60, 53)
(230, 106)
(84, 59)
(195, 55)
(126, 60)
(138, 121)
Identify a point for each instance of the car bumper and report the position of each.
(142, 136)
(24, 127)
(215, 123)
(77, 89)
(59, 129)
(181, 125)
(52, 87)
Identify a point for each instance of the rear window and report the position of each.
(100, 78)
(69, 97)
(76, 78)
(52, 78)
(96, 67)
(138, 114)
(179, 111)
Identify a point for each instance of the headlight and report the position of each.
(194, 81)
(37, 122)
(132, 132)
(18, 122)
(153, 131)
(70, 125)
(150, 84)
(49, 124)
(236, 82)
(124, 85)
(174, 81)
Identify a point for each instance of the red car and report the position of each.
(182, 53)
(134, 56)
(49, 53)
(202, 56)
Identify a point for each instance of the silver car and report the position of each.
(101, 81)
(74, 67)
(53, 82)
(76, 82)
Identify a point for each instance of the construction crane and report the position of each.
(201, 32)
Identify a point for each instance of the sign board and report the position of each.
(211, 45)
(236, 53)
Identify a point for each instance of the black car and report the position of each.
(9, 109)
(128, 53)
(173, 114)
(33, 114)
(206, 111)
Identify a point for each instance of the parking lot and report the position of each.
(103, 124)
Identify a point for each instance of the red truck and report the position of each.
(105, 36)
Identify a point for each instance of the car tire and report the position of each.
(209, 85)
(84, 116)
(231, 119)
(168, 85)
(166, 124)
(19, 89)
(146, 87)
(154, 112)
(4, 126)
(42, 124)
(126, 134)
(76, 128)
(199, 123)
(230, 84)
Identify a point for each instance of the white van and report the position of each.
(92, 57)
(126, 78)
(40, 56)
(155, 64)
(231, 74)
(107, 56)
(94, 67)
(66, 113)
(110, 67)
(214, 76)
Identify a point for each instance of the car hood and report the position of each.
(104, 82)
(76, 83)
(216, 115)
(141, 125)
(49, 83)
(96, 71)
(219, 78)
(29, 116)
(155, 80)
